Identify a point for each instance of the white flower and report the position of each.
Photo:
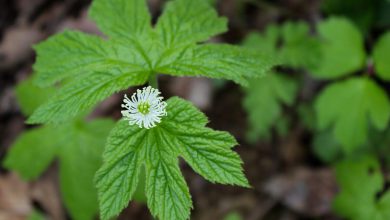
(145, 108)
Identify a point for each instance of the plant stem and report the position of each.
(153, 81)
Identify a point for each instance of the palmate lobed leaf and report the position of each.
(290, 42)
(135, 50)
(29, 161)
(263, 102)
(217, 61)
(78, 146)
(342, 49)
(181, 133)
(22, 158)
(360, 181)
(294, 47)
(265, 41)
(79, 161)
(299, 48)
(349, 107)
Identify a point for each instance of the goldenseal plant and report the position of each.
(77, 146)
(265, 98)
(151, 135)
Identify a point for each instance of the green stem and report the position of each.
(153, 81)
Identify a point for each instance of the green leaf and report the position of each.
(181, 133)
(266, 41)
(117, 179)
(218, 61)
(78, 146)
(342, 49)
(291, 43)
(349, 107)
(360, 201)
(299, 49)
(75, 54)
(79, 159)
(121, 18)
(263, 102)
(81, 96)
(187, 22)
(30, 96)
(381, 56)
(33, 152)
(166, 190)
(95, 68)
(140, 194)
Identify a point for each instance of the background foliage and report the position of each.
(327, 95)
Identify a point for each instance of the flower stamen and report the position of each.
(145, 108)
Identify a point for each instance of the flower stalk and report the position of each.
(153, 80)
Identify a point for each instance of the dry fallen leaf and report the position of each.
(45, 191)
(17, 45)
(14, 198)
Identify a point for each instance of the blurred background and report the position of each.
(289, 161)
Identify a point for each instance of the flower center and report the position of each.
(143, 107)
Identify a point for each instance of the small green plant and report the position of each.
(356, 110)
(349, 107)
(77, 145)
(352, 113)
(352, 105)
(153, 133)
(293, 45)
